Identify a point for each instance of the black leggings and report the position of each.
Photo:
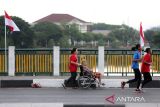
(72, 79)
(138, 77)
(147, 78)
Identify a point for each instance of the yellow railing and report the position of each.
(118, 63)
(122, 63)
(34, 63)
(155, 63)
(64, 63)
(44, 63)
(2, 63)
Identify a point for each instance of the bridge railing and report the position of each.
(33, 61)
(119, 62)
(2, 62)
(42, 61)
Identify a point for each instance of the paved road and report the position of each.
(74, 96)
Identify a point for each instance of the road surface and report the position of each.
(77, 96)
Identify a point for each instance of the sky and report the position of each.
(117, 12)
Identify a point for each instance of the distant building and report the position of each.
(103, 32)
(58, 19)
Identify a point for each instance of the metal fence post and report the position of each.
(56, 60)
(11, 61)
(101, 59)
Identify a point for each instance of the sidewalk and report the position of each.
(56, 81)
(62, 77)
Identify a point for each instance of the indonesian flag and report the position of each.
(10, 23)
(141, 33)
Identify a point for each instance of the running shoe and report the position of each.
(123, 84)
(63, 86)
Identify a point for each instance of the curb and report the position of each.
(15, 83)
(109, 83)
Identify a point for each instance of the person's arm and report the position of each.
(149, 63)
(73, 60)
(75, 63)
(137, 58)
(147, 60)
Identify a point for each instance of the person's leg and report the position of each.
(138, 78)
(70, 79)
(147, 78)
(98, 76)
(123, 83)
(98, 79)
(74, 75)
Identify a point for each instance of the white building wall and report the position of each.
(81, 26)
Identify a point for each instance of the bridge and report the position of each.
(49, 67)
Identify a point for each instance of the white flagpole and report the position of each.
(5, 51)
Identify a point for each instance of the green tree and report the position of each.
(51, 43)
(124, 35)
(151, 36)
(103, 26)
(45, 31)
(64, 42)
(22, 39)
(72, 32)
(156, 40)
(101, 42)
(87, 37)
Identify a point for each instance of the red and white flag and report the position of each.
(141, 33)
(10, 23)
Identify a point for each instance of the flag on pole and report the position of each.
(10, 23)
(13, 27)
(141, 33)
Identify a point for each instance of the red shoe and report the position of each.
(35, 85)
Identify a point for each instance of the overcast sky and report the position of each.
(130, 12)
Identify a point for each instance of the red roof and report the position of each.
(58, 18)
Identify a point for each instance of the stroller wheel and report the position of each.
(84, 82)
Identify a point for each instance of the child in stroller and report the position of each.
(85, 70)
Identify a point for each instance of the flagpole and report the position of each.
(13, 27)
(5, 51)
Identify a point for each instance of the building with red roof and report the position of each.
(58, 19)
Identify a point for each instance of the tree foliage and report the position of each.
(153, 37)
(48, 34)
(22, 39)
(103, 26)
(123, 36)
(46, 31)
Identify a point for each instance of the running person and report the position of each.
(135, 67)
(145, 67)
